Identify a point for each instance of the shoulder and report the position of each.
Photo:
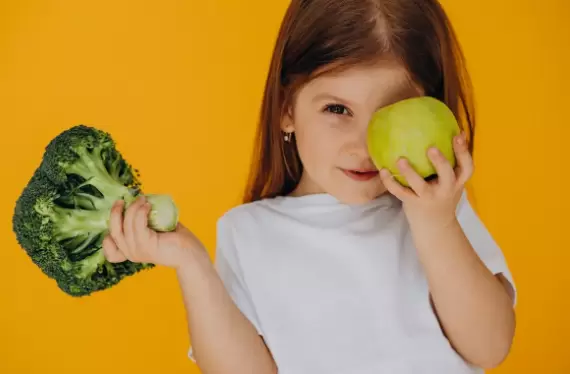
(246, 215)
(242, 212)
(241, 233)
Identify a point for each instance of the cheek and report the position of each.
(318, 146)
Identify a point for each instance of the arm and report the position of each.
(475, 307)
(223, 340)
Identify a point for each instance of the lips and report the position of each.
(361, 175)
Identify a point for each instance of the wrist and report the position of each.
(432, 226)
(192, 258)
(432, 221)
(189, 248)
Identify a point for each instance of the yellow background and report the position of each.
(178, 83)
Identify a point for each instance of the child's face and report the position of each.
(330, 121)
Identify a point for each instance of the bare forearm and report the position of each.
(223, 340)
(473, 306)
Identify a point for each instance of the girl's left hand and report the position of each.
(434, 201)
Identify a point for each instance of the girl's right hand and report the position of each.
(131, 239)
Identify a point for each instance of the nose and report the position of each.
(357, 146)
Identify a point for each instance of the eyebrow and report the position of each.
(323, 96)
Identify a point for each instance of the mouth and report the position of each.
(361, 175)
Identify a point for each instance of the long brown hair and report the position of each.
(319, 36)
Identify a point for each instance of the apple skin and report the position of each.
(407, 129)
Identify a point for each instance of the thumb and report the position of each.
(111, 251)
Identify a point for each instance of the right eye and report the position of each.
(337, 109)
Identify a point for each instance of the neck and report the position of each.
(306, 186)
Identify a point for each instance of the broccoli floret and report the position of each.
(62, 215)
(85, 154)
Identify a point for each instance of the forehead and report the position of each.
(371, 86)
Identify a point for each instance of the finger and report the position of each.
(111, 251)
(141, 230)
(395, 187)
(464, 159)
(443, 168)
(416, 182)
(130, 215)
(116, 225)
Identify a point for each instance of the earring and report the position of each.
(287, 137)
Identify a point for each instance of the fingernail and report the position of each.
(461, 139)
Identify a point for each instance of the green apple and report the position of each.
(407, 129)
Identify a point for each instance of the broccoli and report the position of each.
(62, 215)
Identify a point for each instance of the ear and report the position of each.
(287, 123)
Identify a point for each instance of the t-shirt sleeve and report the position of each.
(228, 266)
(482, 241)
(230, 271)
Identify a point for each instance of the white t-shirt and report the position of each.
(337, 289)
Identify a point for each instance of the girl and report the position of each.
(331, 266)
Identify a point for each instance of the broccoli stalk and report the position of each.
(90, 166)
(62, 216)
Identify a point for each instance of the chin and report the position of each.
(356, 197)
